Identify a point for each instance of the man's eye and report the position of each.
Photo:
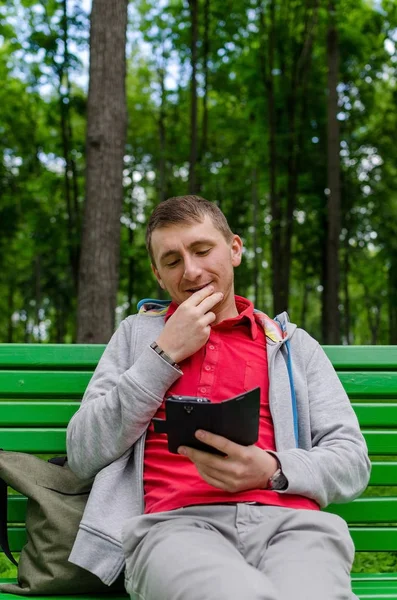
(173, 263)
(203, 252)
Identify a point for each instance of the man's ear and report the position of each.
(236, 250)
(157, 276)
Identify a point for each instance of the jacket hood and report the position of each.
(152, 306)
(285, 324)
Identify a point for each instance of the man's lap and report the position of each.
(238, 551)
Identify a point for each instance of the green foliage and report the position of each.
(42, 145)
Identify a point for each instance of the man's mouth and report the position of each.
(199, 287)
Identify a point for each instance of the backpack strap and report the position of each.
(282, 320)
(3, 522)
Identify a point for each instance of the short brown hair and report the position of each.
(185, 209)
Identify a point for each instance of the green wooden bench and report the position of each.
(41, 386)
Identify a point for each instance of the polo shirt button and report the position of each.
(207, 368)
(211, 347)
(203, 390)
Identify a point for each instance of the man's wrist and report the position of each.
(164, 355)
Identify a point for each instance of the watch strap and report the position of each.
(164, 355)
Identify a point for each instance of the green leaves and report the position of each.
(235, 166)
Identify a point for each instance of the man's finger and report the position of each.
(208, 303)
(217, 441)
(214, 481)
(196, 298)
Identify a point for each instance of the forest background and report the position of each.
(281, 111)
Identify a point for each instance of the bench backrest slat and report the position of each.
(382, 441)
(50, 356)
(375, 414)
(37, 440)
(374, 539)
(383, 473)
(36, 414)
(362, 358)
(51, 384)
(69, 384)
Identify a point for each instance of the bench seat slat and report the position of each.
(117, 596)
(375, 577)
(374, 539)
(367, 510)
(363, 510)
(363, 577)
(371, 592)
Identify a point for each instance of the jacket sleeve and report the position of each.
(337, 467)
(118, 404)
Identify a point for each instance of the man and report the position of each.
(244, 525)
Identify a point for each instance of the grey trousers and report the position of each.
(238, 552)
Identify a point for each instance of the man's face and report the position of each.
(190, 256)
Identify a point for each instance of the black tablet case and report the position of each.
(236, 419)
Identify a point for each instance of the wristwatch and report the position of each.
(277, 481)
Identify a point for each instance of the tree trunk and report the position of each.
(38, 294)
(346, 269)
(255, 241)
(324, 274)
(392, 280)
(204, 124)
(106, 136)
(305, 303)
(131, 259)
(267, 67)
(70, 176)
(333, 164)
(60, 314)
(373, 315)
(193, 92)
(297, 98)
(10, 310)
(292, 188)
(162, 133)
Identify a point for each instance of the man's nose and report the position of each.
(192, 269)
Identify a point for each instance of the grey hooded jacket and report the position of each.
(106, 437)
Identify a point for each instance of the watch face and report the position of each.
(278, 481)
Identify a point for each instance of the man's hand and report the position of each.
(188, 329)
(243, 467)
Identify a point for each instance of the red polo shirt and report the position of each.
(233, 360)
